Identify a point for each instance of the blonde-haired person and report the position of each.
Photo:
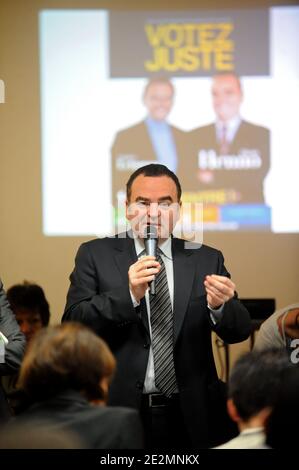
(66, 373)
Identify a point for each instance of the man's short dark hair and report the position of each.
(154, 169)
(255, 380)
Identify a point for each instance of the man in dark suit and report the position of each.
(232, 156)
(152, 140)
(109, 293)
(12, 346)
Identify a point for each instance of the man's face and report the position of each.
(153, 201)
(227, 97)
(30, 322)
(158, 100)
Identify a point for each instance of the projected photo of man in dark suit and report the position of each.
(231, 155)
(153, 140)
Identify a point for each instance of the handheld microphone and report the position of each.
(150, 244)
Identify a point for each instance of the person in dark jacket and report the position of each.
(66, 373)
(12, 346)
(175, 386)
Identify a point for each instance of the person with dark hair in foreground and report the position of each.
(162, 341)
(252, 392)
(66, 372)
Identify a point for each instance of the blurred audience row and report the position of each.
(56, 396)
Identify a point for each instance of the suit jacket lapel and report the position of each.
(125, 256)
(238, 140)
(183, 271)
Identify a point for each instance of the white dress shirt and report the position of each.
(166, 255)
(231, 128)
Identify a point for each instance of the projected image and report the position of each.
(153, 140)
(195, 91)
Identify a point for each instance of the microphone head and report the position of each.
(150, 232)
(151, 242)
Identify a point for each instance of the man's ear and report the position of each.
(232, 410)
(104, 387)
(264, 415)
(127, 208)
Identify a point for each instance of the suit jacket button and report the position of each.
(146, 345)
(139, 384)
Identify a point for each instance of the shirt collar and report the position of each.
(231, 125)
(256, 430)
(154, 123)
(165, 247)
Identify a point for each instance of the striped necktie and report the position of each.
(224, 143)
(162, 333)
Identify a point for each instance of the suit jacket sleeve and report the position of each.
(235, 323)
(92, 303)
(14, 350)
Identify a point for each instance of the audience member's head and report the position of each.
(254, 384)
(282, 425)
(158, 98)
(67, 356)
(30, 306)
(227, 96)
